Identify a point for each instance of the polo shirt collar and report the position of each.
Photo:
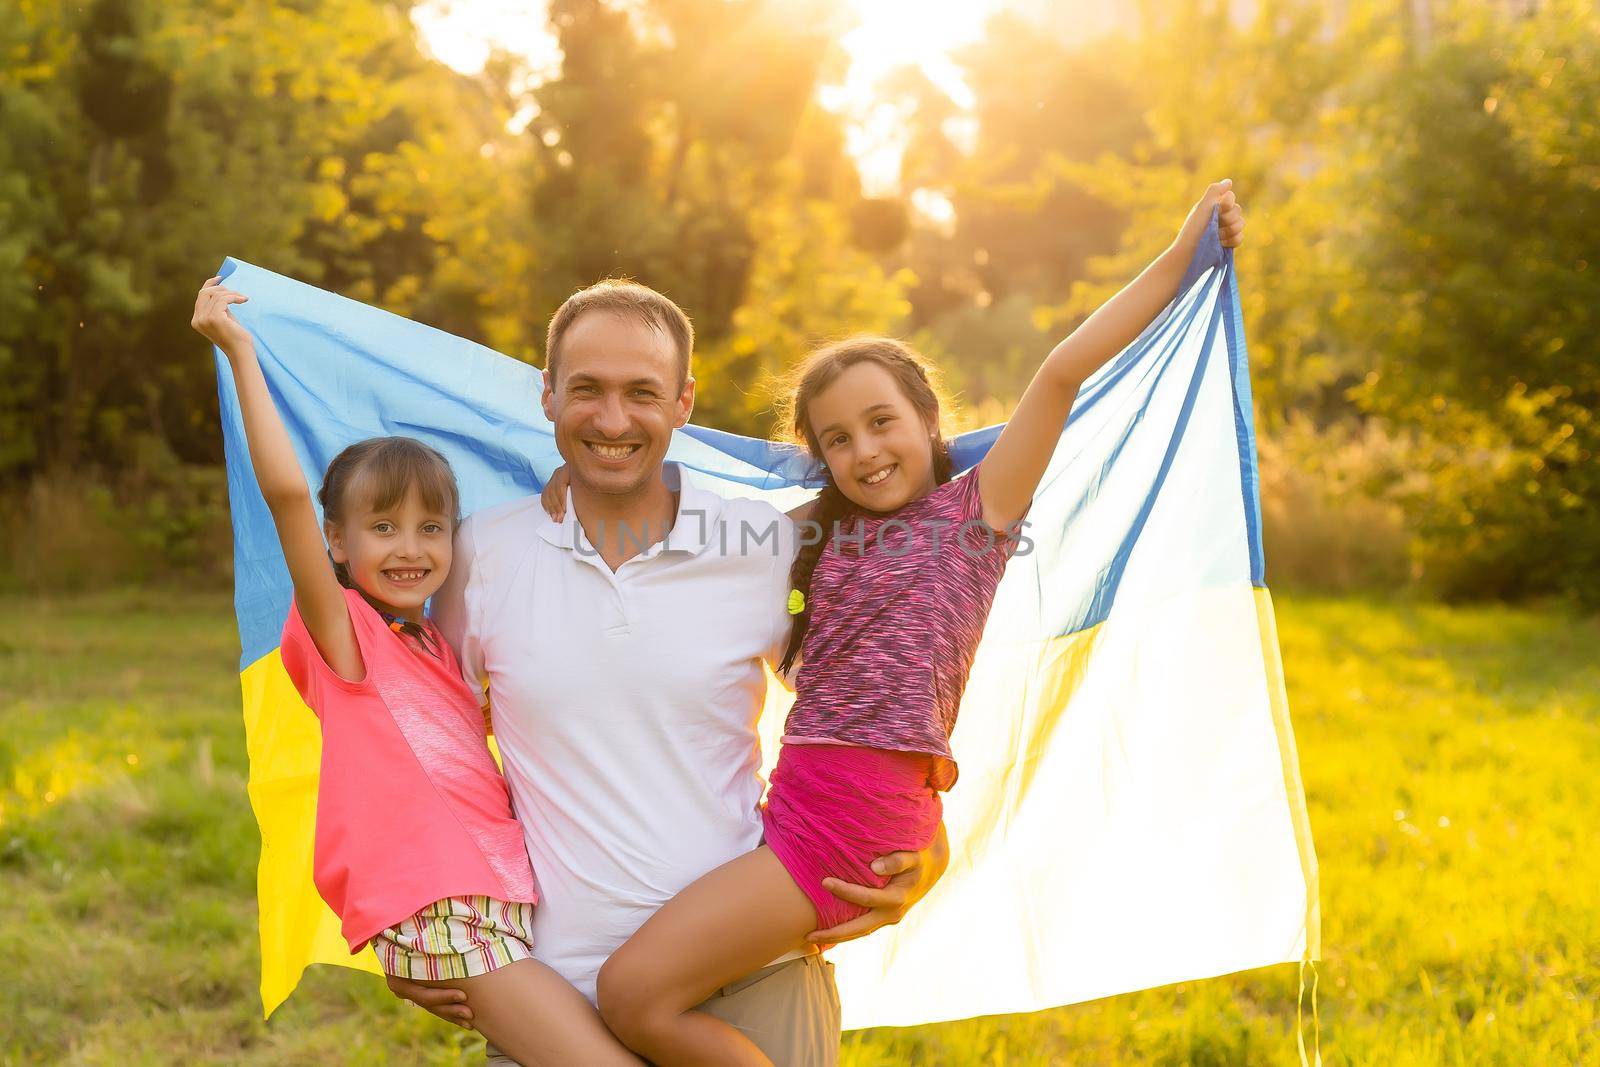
(698, 512)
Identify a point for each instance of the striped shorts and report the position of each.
(458, 937)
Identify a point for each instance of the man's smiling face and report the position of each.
(615, 397)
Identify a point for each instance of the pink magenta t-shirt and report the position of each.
(898, 604)
(411, 808)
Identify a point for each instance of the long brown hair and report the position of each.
(918, 383)
(381, 471)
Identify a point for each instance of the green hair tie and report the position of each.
(797, 602)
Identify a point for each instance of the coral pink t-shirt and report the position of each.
(411, 808)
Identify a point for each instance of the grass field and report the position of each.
(1451, 759)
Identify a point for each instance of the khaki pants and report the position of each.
(790, 1010)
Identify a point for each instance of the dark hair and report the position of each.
(631, 301)
(917, 381)
(380, 471)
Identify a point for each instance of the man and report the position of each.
(621, 652)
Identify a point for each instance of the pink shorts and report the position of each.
(833, 809)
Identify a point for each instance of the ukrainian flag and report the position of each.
(1130, 811)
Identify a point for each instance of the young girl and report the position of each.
(890, 606)
(417, 849)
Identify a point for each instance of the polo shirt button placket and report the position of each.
(619, 624)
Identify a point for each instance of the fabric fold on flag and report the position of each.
(1130, 811)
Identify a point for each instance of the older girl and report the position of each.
(891, 601)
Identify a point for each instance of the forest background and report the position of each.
(1422, 181)
(1420, 288)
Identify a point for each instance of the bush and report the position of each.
(1330, 520)
(159, 520)
(1511, 503)
(1471, 508)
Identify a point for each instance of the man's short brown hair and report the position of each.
(629, 300)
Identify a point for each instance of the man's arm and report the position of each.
(911, 875)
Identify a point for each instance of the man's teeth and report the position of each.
(613, 451)
(878, 476)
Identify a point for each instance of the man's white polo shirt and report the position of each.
(624, 703)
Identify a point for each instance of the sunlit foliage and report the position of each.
(1419, 273)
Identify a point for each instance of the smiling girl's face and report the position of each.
(875, 442)
(399, 555)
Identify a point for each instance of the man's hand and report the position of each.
(911, 875)
(554, 497)
(448, 1004)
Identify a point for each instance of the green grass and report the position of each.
(1451, 760)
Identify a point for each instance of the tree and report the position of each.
(715, 180)
(1482, 304)
(144, 142)
(1021, 229)
(808, 286)
(1422, 198)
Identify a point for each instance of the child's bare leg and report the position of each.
(530, 1013)
(735, 920)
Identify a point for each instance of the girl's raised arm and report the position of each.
(1016, 462)
(317, 591)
